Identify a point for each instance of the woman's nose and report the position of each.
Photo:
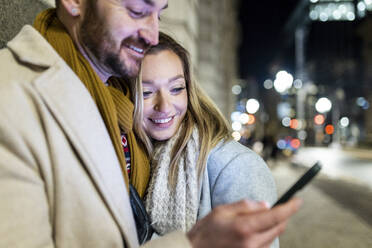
(163, 104)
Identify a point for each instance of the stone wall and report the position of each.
(16, 13)
(364, 32)
(181, 22)
(209, 30)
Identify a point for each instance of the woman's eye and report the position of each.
(147, 94)
(178, 89)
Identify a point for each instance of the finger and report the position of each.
(264, 220)
(294, 201)
(279, 214)
(247, 206)
(266, 238)
(292, 205)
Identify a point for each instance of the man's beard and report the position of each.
(98, 40)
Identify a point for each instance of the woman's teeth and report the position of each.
(160, 121)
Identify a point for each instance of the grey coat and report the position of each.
(234, 172)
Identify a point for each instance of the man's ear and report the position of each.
(72, 7)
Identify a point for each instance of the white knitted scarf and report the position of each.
(175, 208)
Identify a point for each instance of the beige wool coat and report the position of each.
(60, 181)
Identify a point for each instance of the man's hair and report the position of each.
(201, 112)
(57, 3)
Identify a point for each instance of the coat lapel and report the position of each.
(75, 111)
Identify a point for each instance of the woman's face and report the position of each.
(164, 94)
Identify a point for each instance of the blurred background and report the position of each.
(307, 63)
(294, 79)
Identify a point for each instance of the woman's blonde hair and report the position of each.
(201, 112)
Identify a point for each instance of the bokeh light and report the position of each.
(236, 126)
(235, 116)
(281, 144)
(295, 143)
(236, 135)
(283, 81)
(286, 121)
(323, 105)
(344, 122)
(252, 106)
(297, 84)
(244, 118)
(268, 84)
(319, 119)
(302, 135)
(329, 129)
(258, 147)
(293, 124)
(236, 89)
(251, 120)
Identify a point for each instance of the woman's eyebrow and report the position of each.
(175, 78)
(148, 82)
(151, 3)
(169, 80)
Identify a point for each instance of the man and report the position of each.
(63, 178)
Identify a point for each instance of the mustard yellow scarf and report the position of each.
(115, 106)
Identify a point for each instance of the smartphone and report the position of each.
(309, 174)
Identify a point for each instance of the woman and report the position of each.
(195, 164)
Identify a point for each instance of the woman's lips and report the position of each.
(162, 122)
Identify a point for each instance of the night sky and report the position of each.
(262, 24)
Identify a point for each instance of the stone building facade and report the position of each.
(15, 13)
(207, 28)
(364, 32)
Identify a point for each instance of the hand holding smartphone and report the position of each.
(309, 174)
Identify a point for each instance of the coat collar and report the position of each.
(31, 48)
(75, 111)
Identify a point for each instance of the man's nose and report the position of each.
(150, 30)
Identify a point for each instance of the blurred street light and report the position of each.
(295, 143)
(363, 6)
(286, 121)
(333, 10)
(329, 129)
(294, 124)
(302, 135)
(344, 122)
(236, 135)
(252, 106)
(323, 105)
(283, 81)
(319, 119)
(235, 116)
(244, 118)
(297, 83)
(251, 119)
(236, 126)
(363, 103)
(236, 89)
(268, 84)
(283, 110)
